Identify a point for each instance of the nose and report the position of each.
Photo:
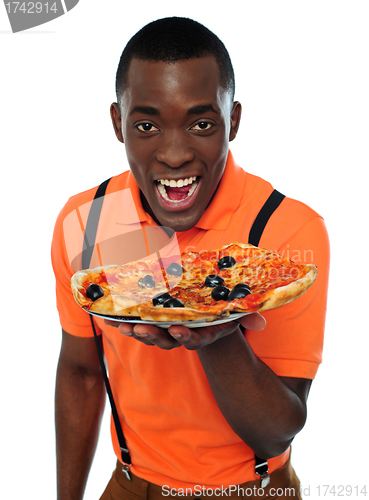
(175, 149)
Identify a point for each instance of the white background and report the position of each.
(302, 77)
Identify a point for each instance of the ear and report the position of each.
(117, 122)
(235, 120)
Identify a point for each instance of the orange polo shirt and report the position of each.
(175, 432)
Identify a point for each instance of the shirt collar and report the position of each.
(217, 215)
(227, 197)
(133, 211)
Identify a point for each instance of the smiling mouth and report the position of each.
(176, 191)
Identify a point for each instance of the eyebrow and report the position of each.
(201, 108)
(146, 110)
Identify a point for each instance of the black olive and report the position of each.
(220, 293)
(94, 292)
(242, 285)
(175, 269)
(213, 280)
(147, 281)
(173, 303)
(238, 293)
(226, 262)
(160, 298)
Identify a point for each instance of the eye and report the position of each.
(202, 126)
(147, 127)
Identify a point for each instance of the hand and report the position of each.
(178, 335)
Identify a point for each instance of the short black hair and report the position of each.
(175, 39)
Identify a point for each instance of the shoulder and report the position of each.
(71, 221)
(257, 191)
(293, 217)
(296, 213)
(289, 218)
(83, 200)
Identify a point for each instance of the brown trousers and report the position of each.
(283, 484)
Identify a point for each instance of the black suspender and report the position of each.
(88, 247)
(126, 458)
(272, 203)
(92, 224)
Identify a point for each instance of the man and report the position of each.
(196, 406)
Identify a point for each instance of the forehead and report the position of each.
(191, 80)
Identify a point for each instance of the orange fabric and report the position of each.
(174, 429)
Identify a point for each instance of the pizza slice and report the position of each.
(197, 286)
(118, 290)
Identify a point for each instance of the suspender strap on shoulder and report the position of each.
(92, 223)
(272, 203)
(88, 247)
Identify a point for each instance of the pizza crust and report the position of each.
(119, 306)
(285, 294)
(172, 314)
(76, 286)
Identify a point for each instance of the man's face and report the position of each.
(176, 122)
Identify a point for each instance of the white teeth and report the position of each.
(180, 183)
(192, 189)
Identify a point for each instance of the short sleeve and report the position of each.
(292, 342)
(72, 318)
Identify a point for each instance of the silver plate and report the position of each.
(167, 324)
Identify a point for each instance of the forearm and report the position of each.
(79, 405)
(263, 411)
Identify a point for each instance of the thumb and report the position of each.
(254, 321)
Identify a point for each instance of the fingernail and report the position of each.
(177, 336)
(141, 335)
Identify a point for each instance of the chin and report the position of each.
(179, 224)
(181, 228)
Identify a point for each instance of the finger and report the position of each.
(150, 330)
(200, 337)
(143, 340)
(156, 336)
(190, 339)
(112, 323)
(126, 328)
(254, 321)
(146, 334)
